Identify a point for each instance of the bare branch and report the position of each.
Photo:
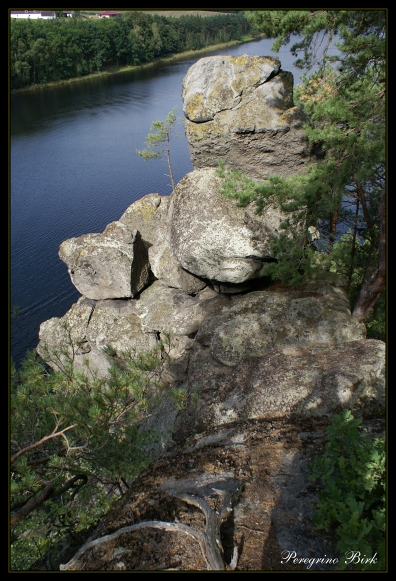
(167, 526)
(41, 442)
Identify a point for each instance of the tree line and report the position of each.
(43, 51)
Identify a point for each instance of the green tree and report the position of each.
(158, 141)
(344, 96)
(77, 439)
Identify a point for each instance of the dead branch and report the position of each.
(156, 524)
(209, 541)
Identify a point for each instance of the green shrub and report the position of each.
(352, 497)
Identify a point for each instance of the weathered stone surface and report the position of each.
(166, 268)
(307, 381)
(113, 264)
(214, 84)
(162, 308)
(67, 334)
(87, 328)
(149, 216)
(260, 321)
(240, 109)
(134, 325)
(115, 323)
(212, 237)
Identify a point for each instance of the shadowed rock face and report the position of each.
(308, 381)
(240, 109)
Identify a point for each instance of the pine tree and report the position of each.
(344, 96)
(158, 141)
(77, 439)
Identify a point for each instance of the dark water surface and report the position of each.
(74, 170)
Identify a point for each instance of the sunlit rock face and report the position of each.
(108, 265)
(212, 237)
(241, 110)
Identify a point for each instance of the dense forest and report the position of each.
(43, 51)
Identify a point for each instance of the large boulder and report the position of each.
(260, 321)
(149, 216)
(212, 237)
(113, 264)
(167, 269)
(240, 109)
(83, 333)
(313, 381)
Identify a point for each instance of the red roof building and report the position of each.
(108, 14)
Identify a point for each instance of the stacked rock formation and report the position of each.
(190, 265)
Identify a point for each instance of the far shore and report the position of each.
(124, 69)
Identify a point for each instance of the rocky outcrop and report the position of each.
(185, 265)
(113, 264)
(259, 321)
(269, 363)
(310, 381)
(240, 109)
(136, 324)
(149, 216)
(84, 332)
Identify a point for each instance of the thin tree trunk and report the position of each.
(353, 244)
(169, 164)
(362, 199)
(48, 492)
(333, 227)
(32, 505)
(372, 288)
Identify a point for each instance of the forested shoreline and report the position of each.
(46, 51)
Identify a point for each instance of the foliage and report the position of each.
(344, 99)
(295, 255)
(43, 51)
(351, 268)
(77, 439)
(352, 496)
(158, 141)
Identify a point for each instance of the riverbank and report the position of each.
(124, 69)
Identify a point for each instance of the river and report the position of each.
(73, 170)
